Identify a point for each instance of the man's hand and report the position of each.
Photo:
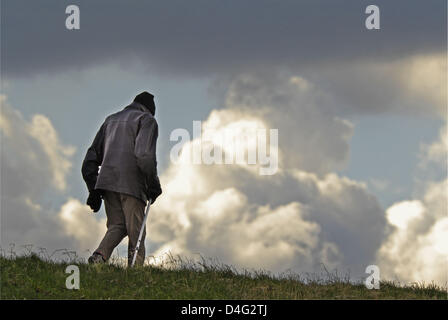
(153, 194)
(94, 200)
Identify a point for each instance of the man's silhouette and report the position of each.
(124, 151)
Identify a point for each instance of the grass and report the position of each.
(31, 276)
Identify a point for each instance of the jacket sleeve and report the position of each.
(145, 153)
(93, 159)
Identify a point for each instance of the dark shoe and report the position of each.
(96, 258)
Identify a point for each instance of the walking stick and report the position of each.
(141, 233)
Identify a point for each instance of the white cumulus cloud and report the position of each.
(296, 219)
(417, 248)
(34, 168)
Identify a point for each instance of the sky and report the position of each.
(361, 119)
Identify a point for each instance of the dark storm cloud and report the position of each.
(207, 37)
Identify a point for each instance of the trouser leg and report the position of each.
(116, 224)
(134, 211)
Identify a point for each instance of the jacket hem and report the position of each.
(121, 191)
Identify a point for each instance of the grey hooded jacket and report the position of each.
(124, 151)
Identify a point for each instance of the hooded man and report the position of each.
(124, 152)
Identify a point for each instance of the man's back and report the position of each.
(125, 148)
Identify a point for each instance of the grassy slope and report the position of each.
(32, 278)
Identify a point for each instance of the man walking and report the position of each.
(124, 152)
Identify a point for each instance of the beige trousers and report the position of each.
(124, 218)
